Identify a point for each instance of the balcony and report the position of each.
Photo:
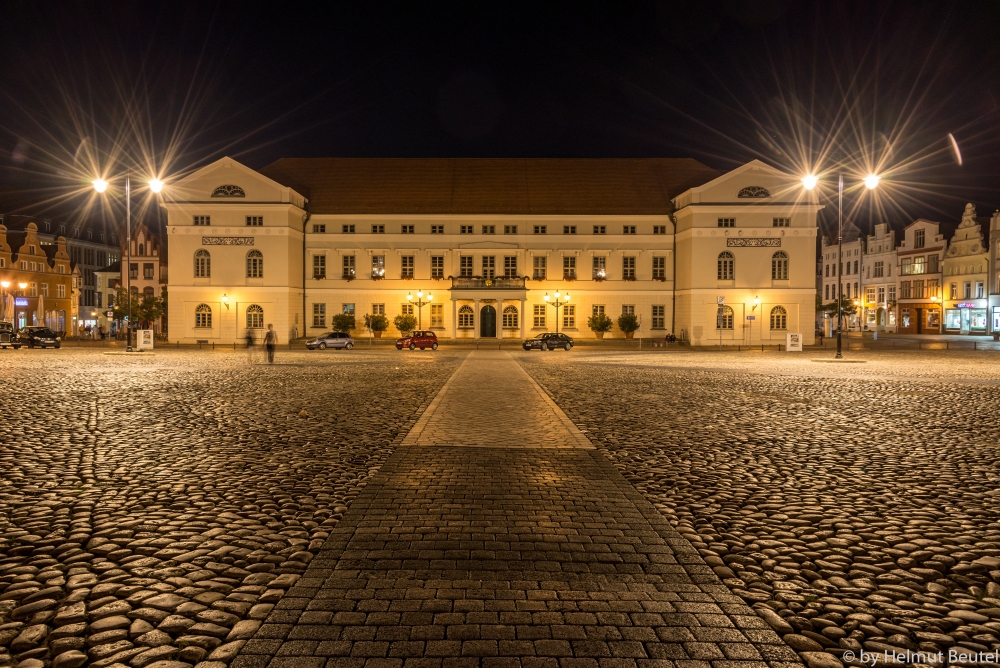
(478, 283)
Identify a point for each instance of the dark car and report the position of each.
(7, 336)
(331, 340)
(420, 340)
(548, 341)
(43, 337)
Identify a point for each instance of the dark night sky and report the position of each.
(792, 83)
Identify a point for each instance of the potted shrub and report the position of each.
(628, 323)
(405, 323)
(377, 324)
(342, 322)
(600, 324)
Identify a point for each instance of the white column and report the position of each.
(524, 317)
(499, 319)
(454, 318)
(475, 320)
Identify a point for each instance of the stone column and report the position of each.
(499, 319)
(475, 319)
(454, 318)
(524, 318)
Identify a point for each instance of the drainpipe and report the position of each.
(673, 282)
(305, 221)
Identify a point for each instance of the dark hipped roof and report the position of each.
(490, 185)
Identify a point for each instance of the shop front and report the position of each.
(919, 319)
(967, 318)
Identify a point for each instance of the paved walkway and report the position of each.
(502, 557)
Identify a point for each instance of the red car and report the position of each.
(420, 340)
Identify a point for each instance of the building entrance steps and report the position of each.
(490, 401)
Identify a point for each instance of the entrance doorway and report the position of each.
(488, 322)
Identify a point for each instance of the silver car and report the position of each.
(331, 340)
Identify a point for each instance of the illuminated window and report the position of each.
(539, 315)
(255, 264)
(437, 315)
(779, 266)
(510, 317)
(255, 317)
(569, 315)
(724, 318)
(202, 264)
(726, 267)
(779, 318)
(466, 317)
(203, 316)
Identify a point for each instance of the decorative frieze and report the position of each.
(227, 241)
(754, 243)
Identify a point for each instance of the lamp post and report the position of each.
(809, 182)
(4, 285)
(557, 304)
(420, 306)
(155, 185)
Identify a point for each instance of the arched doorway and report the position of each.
(488, 322)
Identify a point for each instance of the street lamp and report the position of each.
(155, 186)
(809, 182)
(420, 306)
(557, 304)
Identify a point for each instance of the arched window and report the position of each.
(466, 317)
(255, 317)
(142, 249)
(228, 191)
(724, 318)
(727, 266)
(255, 264)
(202, 264)
(510, 317)
(203, 316)
(147, 292)
(779, 318)
(779, 266)
(754, 191)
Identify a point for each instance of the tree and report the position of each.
(405, 323)
(121, 308)
(376, 323)
(627, 322)
(600, 322)
(343, 322)
(150, 309)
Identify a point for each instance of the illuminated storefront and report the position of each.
(967, 318)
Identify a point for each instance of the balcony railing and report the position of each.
(487, 283)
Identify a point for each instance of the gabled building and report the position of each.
(843, 275)
(994, 273)
(966, 277)
(39, 278)
(879, 280)
(920, 257)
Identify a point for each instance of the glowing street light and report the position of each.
(155, 185)
(871, 181)
(558, 305)
(809, 181)
(420, 306)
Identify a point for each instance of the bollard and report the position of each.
(213, 345)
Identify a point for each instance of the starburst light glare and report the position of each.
(871, 181)
(156, 185)
(100, 185)
(809, 181)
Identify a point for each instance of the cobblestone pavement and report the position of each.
(154, 509)
(492, 402)
(502, 558)
(857, 506)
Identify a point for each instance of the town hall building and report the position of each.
(714, 259)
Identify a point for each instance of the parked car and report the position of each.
(420, 340)
(548, 341)
(331, 340)
(43, 337)
(8, 337)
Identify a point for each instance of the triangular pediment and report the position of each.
(752, 183)
(229, 181)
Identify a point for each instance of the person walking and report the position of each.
(270, 342)
(249, 342)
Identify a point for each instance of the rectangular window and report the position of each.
(406, 269)
(437, 266)
(628, 309)
(344, 229)
(569, 315)
(378, 309)
(727, 222)
(133, 270)
(628, 229)
(892, 293)
(600, 229)
(465, 266)
(967, 291)
(406, 229)
(61, 293)
(918, 239)
(348, 268)
(378, 229)
(980, 290)
(600, 269)
(918, 290)
(879, 269)
(510, 229)
(319, 315)
(378, 266)
(466, 229)
(255, 221)
(437, 315)
(319, 228)
(598, 309)
(659, 317)
(781, 222)
(538, 267)
(628, 268)
(203, 221)
(319, 266)
(45, 290)
(933, 288)
(489, 229)
(826, 292)
(569, 229)
(659, 268)
(347, 309)
(489, 266)
(881, 294)
(869, 295)
(539, 315)
(932, 264)
(406, 309)
(510, 266)
(659, 229)
(919, 265)
(147, 270)
(437, 229)
(540, 229)
(906, 266)
(569, 266)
